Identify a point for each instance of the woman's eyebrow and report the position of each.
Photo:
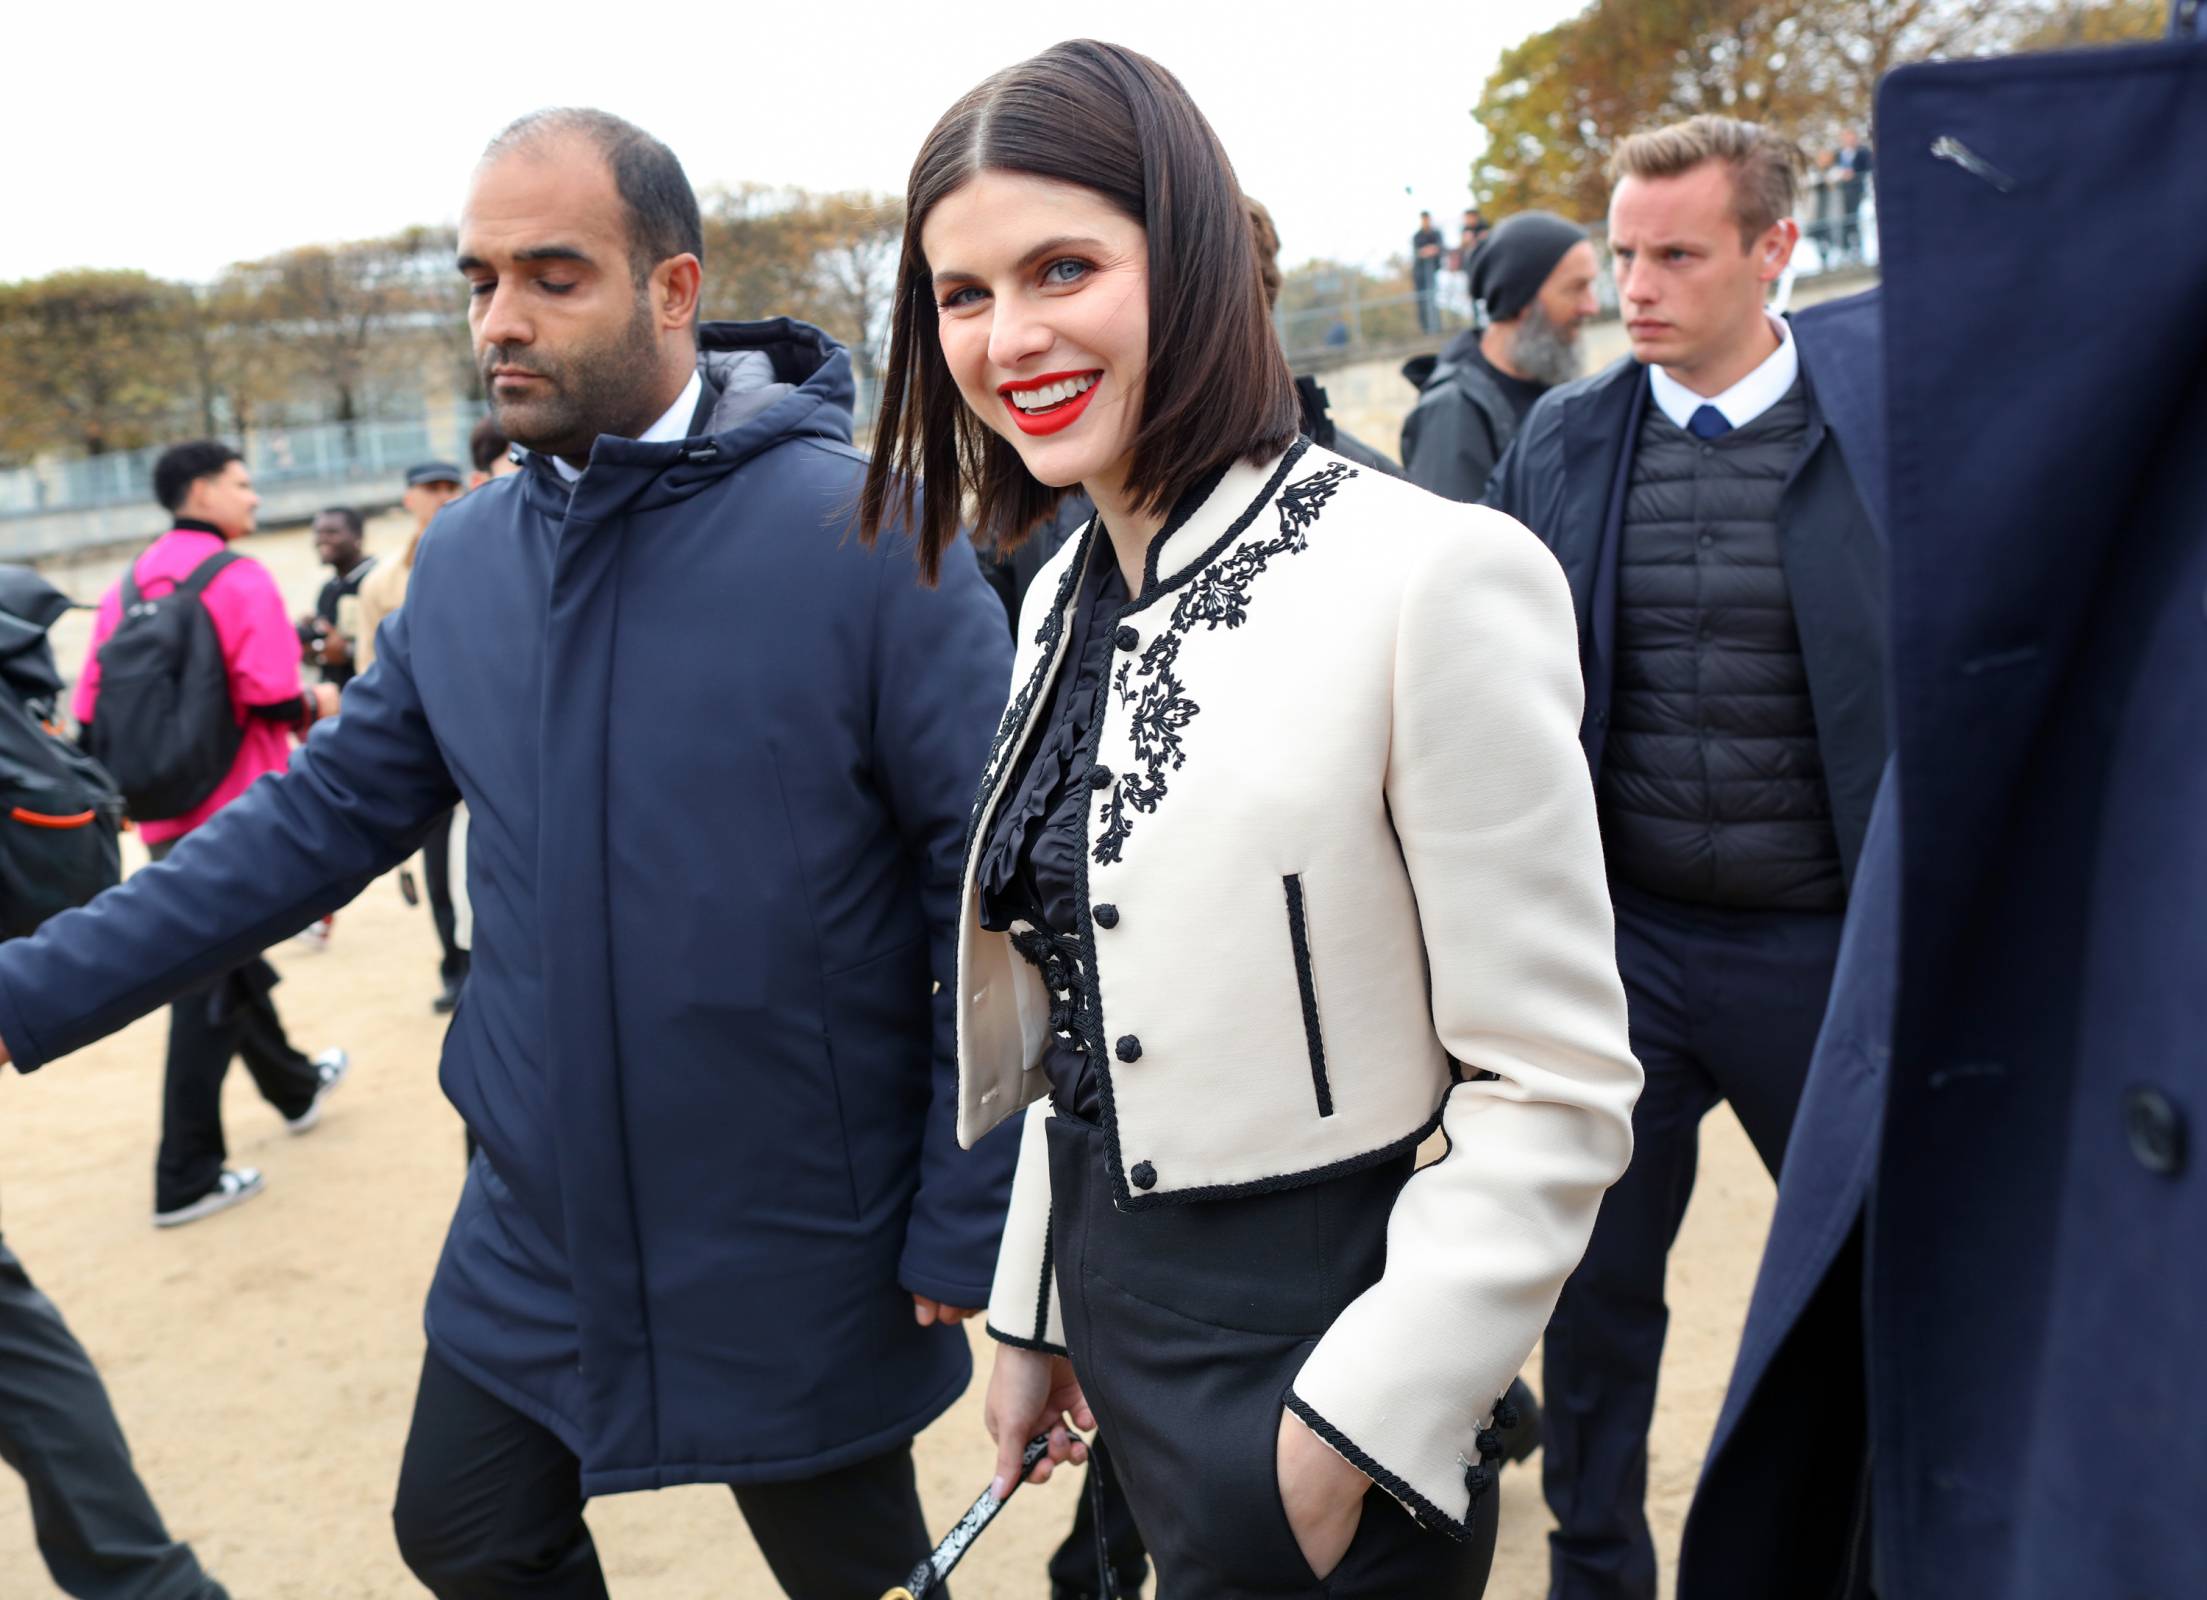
(1050, 246)
(1064, 241)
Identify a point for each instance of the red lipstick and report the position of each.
(1061, 415)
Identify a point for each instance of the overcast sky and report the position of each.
(179, 138)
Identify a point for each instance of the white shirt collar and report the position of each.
(1745, 400)
(672, 425)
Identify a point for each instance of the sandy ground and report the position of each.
(263, 1361)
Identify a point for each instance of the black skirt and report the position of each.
(1187, 1325)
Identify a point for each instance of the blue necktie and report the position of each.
(1707, 423)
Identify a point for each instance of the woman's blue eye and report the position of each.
(956, 298)
(1065, 271)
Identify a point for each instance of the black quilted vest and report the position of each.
(1712, 785)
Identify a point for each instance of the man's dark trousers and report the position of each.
(1724, 1005)
(490, 1508)
(97, 1527)
(233, 1016)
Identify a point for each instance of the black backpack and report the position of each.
(165, 725)
(60, 816)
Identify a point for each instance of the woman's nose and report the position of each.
(1016, 335)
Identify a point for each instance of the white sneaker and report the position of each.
(315, 935)
(232, 1188)
(330, 1066)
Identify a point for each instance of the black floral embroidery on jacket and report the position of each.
(1161, 708)
(1301, 502)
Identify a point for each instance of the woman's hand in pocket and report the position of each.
(1322, 1493)
(1031, 1391)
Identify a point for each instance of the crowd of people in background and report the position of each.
(1839, 185)
(1435, 261)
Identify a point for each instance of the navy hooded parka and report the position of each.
(718, 759)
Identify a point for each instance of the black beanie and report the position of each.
(1514, 260)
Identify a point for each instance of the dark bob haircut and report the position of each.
(183, 465)
(1217, 386)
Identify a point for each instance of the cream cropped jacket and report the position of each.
(1345, 887)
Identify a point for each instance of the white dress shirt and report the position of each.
(673, 425)
(1745, 400)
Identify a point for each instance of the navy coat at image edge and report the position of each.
(718, 759)
(1983, 1271)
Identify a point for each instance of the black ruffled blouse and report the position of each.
(1030, 869)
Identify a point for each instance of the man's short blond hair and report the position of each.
(1762, 161)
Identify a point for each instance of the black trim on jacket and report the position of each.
(1298, 935)
(1428, 1515)
(1153, 589)
(1040, 1346)
(1042, 1308)
(1042, 1290)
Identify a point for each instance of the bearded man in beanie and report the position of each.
(1532, 288)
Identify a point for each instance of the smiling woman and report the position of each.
(1073, 223)
(1285, 856)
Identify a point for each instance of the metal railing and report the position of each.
(59, 506)
(1358, 323)
(277, 456)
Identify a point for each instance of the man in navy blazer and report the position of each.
(718, 759)
(1704, 498)
(1976, 1359)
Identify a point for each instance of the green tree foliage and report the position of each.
(90, 361)
(1557, 102)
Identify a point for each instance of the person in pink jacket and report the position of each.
(209, 494)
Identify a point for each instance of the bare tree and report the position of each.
(857, 241)
(349, 313)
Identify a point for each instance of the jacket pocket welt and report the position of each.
(1298, 933)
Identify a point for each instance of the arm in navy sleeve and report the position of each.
(941, 669)
(294, 847)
